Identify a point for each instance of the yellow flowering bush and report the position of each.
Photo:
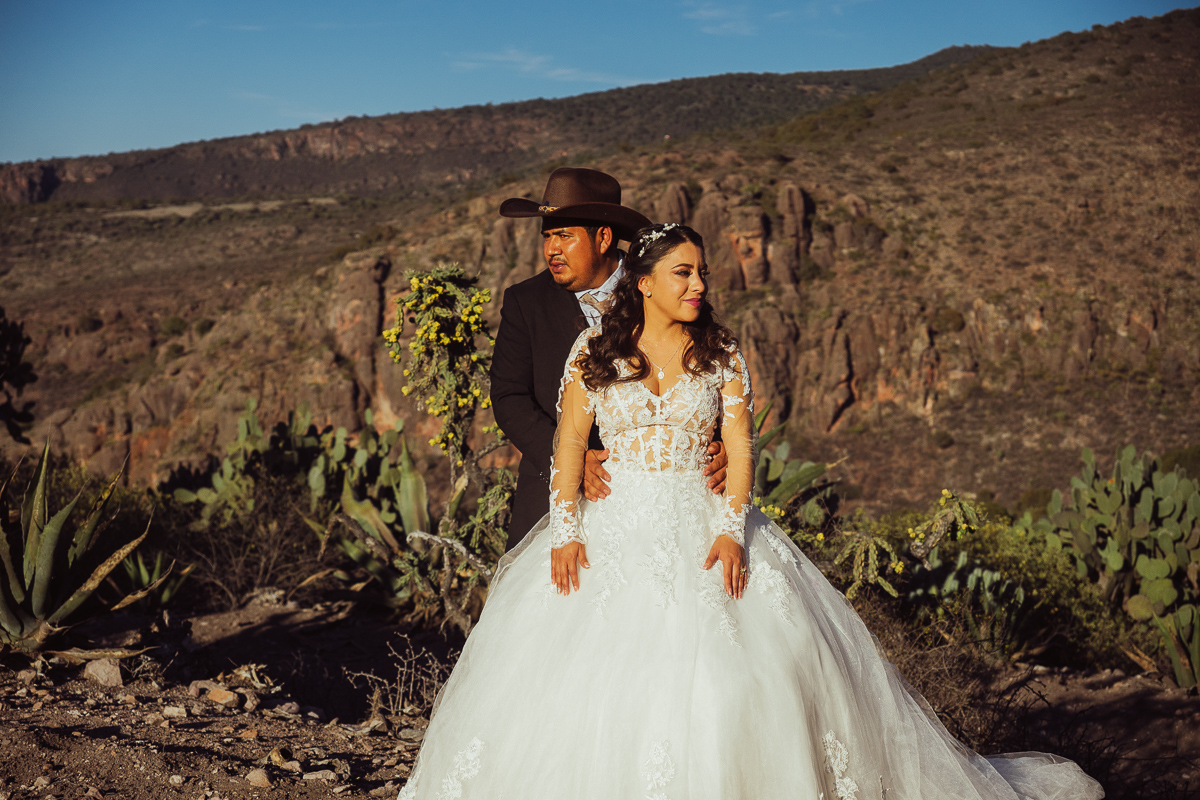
(954, 518)
(446, 364)
(862, 549)
(447, 356)
(866, 541)
(772, 512)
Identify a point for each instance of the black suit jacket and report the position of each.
(539, 321)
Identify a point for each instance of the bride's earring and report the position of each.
(647, 294)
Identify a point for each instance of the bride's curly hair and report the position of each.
(621, 324)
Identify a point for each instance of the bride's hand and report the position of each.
(564, 566)
(733, 558)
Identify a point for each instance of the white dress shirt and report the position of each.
(601, 293)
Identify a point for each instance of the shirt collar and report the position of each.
(607, 287)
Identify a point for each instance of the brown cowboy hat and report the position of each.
(580, 195)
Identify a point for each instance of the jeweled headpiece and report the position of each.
(647, 239)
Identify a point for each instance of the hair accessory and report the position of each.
(652, 237)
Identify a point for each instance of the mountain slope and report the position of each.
(959, 281)
(419, 152)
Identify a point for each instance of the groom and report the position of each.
(540, 318)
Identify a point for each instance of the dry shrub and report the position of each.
(269, 547)
(412, 692)
(954, 678)
(991, 712)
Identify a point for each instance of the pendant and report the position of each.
(661, 375)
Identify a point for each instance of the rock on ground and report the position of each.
(104, 671)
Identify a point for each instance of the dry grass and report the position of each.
(419, 677)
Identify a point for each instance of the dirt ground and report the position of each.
(1138, 735)
(263, 703)
(163, 734)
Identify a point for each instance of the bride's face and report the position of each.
(678, 284)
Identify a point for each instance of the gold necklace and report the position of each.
(662, 375)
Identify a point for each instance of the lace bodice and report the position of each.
(670, 431)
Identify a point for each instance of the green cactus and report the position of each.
(48, 575)
(780, 481)
(231, 493)
(385, 495)
(866, 548)
(996, 608)
(1137, 535)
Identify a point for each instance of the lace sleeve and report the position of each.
(576, 412)
(739, 435)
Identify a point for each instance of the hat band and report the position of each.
(547, 209)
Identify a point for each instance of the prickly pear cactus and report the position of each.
(1137, 534)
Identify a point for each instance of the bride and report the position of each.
(615, 660)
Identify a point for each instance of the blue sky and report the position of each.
(95, 76)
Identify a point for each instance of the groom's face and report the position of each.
(576, 258)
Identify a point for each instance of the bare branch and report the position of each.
(490, 447)
(458, 547)
(453, 612)
(371, 543)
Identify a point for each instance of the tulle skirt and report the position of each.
(650, 682)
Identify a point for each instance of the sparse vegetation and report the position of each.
(49, 572)
(1136, 535)
(173, 326)
(990, 270)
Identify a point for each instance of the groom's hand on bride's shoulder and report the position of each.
(595, 476)
(718, 464)
(564, 566)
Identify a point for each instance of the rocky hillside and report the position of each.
(412, 155)
(958, 281)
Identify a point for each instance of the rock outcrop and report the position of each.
(829, 364)
(881, 276)
(27, 183)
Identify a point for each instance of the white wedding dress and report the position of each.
(651, 682)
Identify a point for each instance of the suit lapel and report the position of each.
(567, 309)
(556, 322)
(566, 321)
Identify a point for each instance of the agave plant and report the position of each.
(143, 574)
(48, 574)
(780, 480)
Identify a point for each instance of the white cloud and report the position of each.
(537, 66)
(286, 109)
(720, 20)
(837, 7)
